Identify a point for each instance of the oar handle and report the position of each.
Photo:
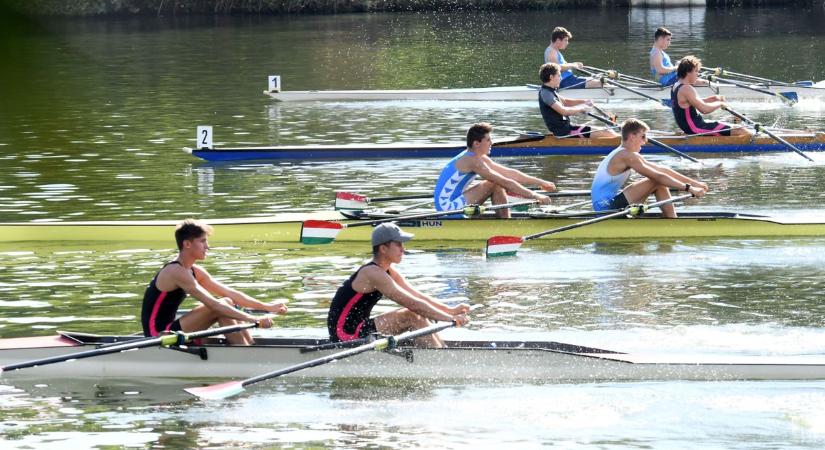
(632, 210)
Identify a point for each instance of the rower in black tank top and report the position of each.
(349, 312)
(160, 307)
(689, 119)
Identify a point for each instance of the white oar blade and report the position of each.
(319, 231)
(503, 246)
(349, 200)
(217, 391)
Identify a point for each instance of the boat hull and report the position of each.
(472, 232)
(523, 361)
(530, 92)
(530, 146)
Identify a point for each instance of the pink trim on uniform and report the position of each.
(339, 330)
(152, 330)
(577, 132)
(696, 130)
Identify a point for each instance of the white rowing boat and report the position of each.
(530, 92)
(476, 359)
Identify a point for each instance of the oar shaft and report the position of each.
(630, 89)
(605, 217)
(622, 75)
(655, 142)
(759, 128)
(711, 77)
(721, 71)
(377, 344)
(169, 339)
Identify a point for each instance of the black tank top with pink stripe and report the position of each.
(160, 307)
(350, 310)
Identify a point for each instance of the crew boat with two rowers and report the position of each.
(471, 355)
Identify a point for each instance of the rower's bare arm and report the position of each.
(492, 175)
(382, 282)
(702, 106)
(656, 61)
(521, 177)
(240, 298)
(652, 171)
(196, 288)
(568, 110)
(684, 179)
(434, 302)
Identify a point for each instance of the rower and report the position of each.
(450, 192)
(182, 276)
(687, 105)
(552, 54)
(349, 313)
(556, 110)
(663, 70)
(614, 170)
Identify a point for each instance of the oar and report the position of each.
(665, 102)
(615, 74)
(165, 340)
(324, 231)
(788, 97)
(721, 71)
(759, 128)
(509, 245)
(353, 201)
(231, 388)
(655, 142)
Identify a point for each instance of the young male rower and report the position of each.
(663, 70)
(182, 276)
(614, 170)
(349, 313)
(556, 110)
(451, 191)
(686, 103)
(559, 41)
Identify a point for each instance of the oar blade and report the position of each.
(791, 96)
(217, 391)
(314, 232)
(503, 246)
(351, 201)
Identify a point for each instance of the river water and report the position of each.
(93, 117)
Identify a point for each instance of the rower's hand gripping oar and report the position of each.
(231, 388)
(788, 97)
(324, 231)
(761, 129)
(509, 245)
(612, 121)
(166, 340)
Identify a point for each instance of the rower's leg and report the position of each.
(403, 320)
(605, 133)
(202, 317)
(639, 191)
(480, 192)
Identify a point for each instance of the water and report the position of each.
(93, 117)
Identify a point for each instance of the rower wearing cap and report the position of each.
(349, 313)
(614, 170)
(559, 41)
(451, 191)
(686, 103)
(182, 276)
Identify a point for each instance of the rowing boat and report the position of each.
(476, 359)
(530, 92)
(547, 145)
(286, 229)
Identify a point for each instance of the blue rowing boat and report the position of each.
(548, 145)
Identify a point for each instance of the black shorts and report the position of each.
(578, 131)
(367, 328)
(619, 202)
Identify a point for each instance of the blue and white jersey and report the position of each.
(450, 186)
(605, 186)
(547, 51)
(668, 78)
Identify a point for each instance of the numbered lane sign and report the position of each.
(204, 137)
(274, 83)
